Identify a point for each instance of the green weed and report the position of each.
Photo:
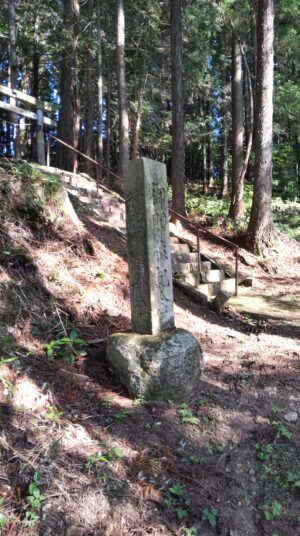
(181, 512)
(113, 454)
(107, 402)
(266, 452)
(282, 430)
(177, 490)
(121, 416)
(210, 515)
(34, 501)
(176, 499)
(272, 509)
(3, 519)
(67, 348)
(54, 415)
(186, 415)
(293, 479)
(55, 447)
(100, 275)
(189, 531)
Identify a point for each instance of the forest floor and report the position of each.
(78, 457)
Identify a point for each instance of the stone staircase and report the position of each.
(107, 205)
(211, 286)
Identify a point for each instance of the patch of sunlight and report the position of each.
(77, 439)
(28, 396)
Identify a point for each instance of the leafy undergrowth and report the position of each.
(210, 210)
(77, 457)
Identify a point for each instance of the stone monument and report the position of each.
(156, 360)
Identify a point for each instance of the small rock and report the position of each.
(291, 416)
(253, 479)
(157, 427)
(251, 472)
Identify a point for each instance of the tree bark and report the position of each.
(108, 124)
(138, 118)
(89, 110)
(204, 166)
(261, 234)
(122, 91)
(100, 92)
(178, 152)
(297, 154)
(236, 211)
(89, 115)
(69, 121)
(12, 69)
(35, 93)
(224, 160)
(209, 176)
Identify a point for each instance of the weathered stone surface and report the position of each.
(164, 367)
(212, 276)
(194, 292)
(220, 301)
(149, 256)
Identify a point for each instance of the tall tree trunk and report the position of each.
(138, 118)
(209, 176)
(100, 92)
(69, 121)
(224, 162)
(204, 166)
(35, 93)
(236, 210)
(108, 123)
(89, 115)
(122, 92)
(297, 154)
(178, 152)
(261, 234)
(12, 68)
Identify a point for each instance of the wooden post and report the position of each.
(40, 136)
(48, 152)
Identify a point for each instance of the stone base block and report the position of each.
(162, 367)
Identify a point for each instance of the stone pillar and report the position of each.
(156, 361)
(148, 242)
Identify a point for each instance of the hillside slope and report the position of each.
(103, 464)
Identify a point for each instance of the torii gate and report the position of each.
(38, 115)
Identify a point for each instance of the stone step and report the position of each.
(194, 256)
(174, 240)
(228, 285)
(211, 276)
(190, 290)
(86, 200)
(192, 278)
(180, 257)
(212, 289)
(180, 248)
(181, 267)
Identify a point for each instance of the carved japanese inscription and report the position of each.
(149, 256)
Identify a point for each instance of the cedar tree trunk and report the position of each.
(178, 153)
(261, 234)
